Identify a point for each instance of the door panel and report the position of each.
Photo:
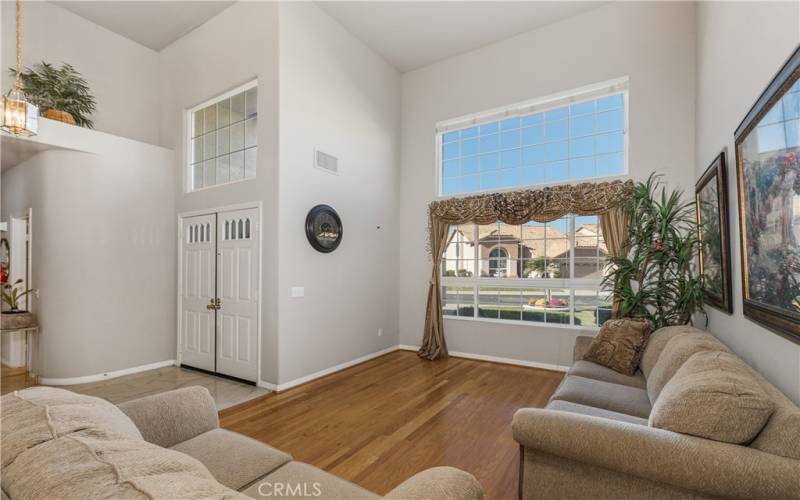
(198, 289)
(237, 318)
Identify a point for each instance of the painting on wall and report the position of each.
(711, 196)
(768, 175)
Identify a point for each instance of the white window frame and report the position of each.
(533, 106)
(188, 121)
(476, 282)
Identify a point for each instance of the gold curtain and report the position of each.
(433, 343)
(516, 207)
(614, 225)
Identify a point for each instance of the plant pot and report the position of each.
(14, 320)
(61, 116)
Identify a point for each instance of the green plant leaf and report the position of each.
(62, 89)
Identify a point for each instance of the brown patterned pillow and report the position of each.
(620, 344)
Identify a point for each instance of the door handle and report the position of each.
(217, 304)
(211, 306)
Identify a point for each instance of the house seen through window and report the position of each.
(535, 272)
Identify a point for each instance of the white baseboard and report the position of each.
(327, 371)
(105, 376)
(496, 359)
(267, 385)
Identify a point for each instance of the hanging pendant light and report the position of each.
(19, 116)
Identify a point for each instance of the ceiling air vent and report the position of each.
(326, 162)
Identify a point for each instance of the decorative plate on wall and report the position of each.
(324, 228)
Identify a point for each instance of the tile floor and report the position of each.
(226, 392)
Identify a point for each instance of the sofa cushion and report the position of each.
(440, 483)
(169, 418)
(605, 395)
(95, 463)
(594, 412)
(714, 396)
(781, 435)
(679, 348)
(233, 459)
(297, 480)
(588, 369)
(39, 414)
(620, 344)
(658, 340)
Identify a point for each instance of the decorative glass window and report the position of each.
(535, 272)
(223, 139)
(578, 135)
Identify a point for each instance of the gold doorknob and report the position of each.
(211, 306)
(217, 304)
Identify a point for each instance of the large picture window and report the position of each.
(223, 139)
(535, 272)
(581, 134)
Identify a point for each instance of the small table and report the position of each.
(28, 331)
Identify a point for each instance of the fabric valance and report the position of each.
(540, 205)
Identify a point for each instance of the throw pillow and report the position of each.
(620, 344)
(713, 396)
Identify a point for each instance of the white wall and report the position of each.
(740, 47)
(234, 47)
(338, 96)
(102, 251)
(652, 43)
(326, 90)
(122, 74)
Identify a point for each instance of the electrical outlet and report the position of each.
(380, 332)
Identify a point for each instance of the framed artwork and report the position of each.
(711, 197)
(768, 175)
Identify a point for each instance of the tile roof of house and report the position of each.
(547, 241)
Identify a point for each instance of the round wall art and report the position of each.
(324, 228)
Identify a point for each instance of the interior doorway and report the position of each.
(18, 349)
(219, 285)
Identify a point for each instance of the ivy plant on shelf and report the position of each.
(658, 279)
(60, 93)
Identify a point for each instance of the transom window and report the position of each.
(535, 272)
(578, 135)
(223, 139)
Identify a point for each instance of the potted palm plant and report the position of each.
(14, 318)
(60, 93)
(657, 280)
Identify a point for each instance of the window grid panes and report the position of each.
(576, 141)
(224, 140)
(533, 273)
(780, 127)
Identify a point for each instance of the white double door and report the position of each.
(219, 293)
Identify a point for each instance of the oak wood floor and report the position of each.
(380, 422)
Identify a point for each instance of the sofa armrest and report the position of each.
(582, 344)
(710, 467)
(172, 417)
(439, 483)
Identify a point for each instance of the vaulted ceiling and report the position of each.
(408, 35)
(152, 24)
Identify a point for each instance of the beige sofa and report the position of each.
(58, 444)
(593, 439)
